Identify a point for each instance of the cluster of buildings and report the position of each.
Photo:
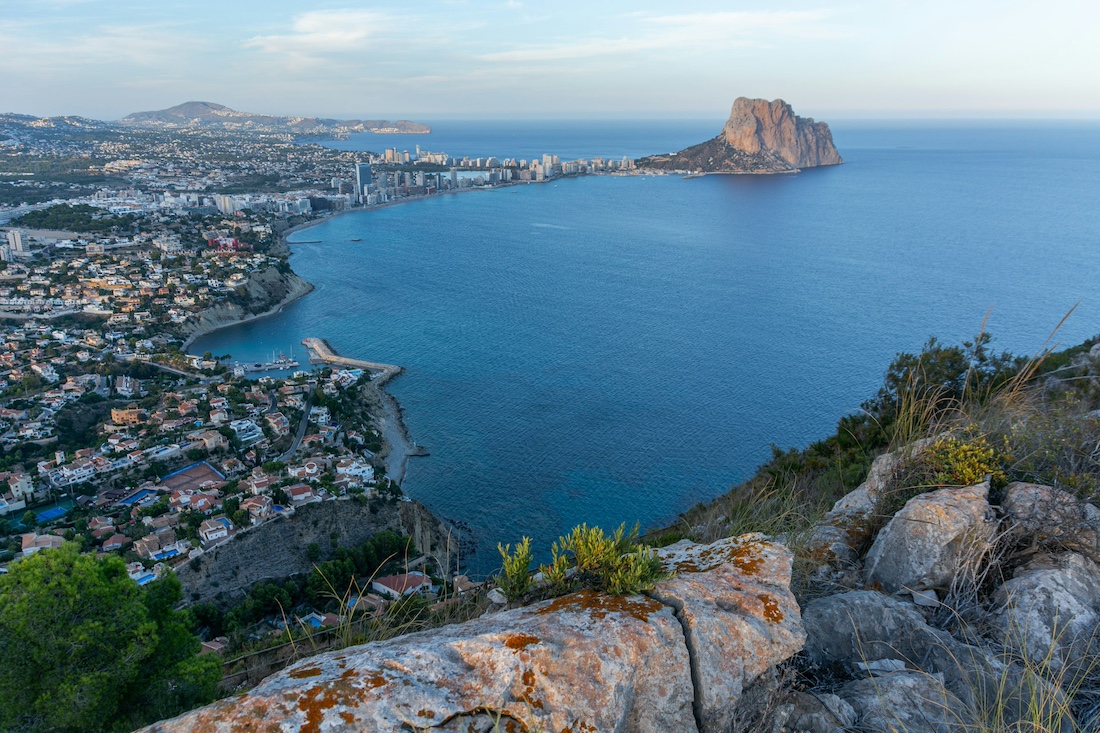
(393, 175)
(127, 498)
(128, 281)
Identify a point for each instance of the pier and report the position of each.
(320, 352)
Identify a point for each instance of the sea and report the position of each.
(615, 349)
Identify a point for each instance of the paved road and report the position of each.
(298, 436)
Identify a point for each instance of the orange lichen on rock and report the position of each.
(599, 605)
(746, 555)
(323, 696)
(301, 674)
(771, 608)
(518, 642)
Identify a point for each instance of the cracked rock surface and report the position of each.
(676, 660)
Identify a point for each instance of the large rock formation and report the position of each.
(675, 660)
(759, 137)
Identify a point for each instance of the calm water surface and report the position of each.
(613, 349)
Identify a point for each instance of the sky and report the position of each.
(553, 59)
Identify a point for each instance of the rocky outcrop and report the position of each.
(913, 702)
(1054, 519)
(759, 137)
(931, 538)
(674, 660)
(845, 532)
(1050, 610)
(277, 548)
(267, 292)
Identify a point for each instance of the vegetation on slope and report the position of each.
(1031, 414)
(75, 218)
(86, 649)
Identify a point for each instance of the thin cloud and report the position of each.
(320, 32)
(696, 31)
(150, 45)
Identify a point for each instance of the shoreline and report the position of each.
(408, 200)
(387, 413)
(397, 445)
(290, 297)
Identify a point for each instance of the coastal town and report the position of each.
(118, 441)
(119, 247)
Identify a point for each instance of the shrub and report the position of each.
(962, 460)
(515, 576)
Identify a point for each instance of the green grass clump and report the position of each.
(614, 563)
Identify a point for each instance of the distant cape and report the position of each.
(217, 116)
(759, 137)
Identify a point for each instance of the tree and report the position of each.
(85, 648)
(73, 628)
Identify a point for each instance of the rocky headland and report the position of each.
(759, 137)
(265, 293)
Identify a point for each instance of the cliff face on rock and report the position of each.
(677, 659)
(759, 137)
(268, 291)
(277, 549)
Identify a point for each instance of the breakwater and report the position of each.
(320, 352)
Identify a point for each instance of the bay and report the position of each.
(611, 349)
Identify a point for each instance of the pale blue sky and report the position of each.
(566, 58)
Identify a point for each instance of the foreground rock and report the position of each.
(676, 661)
(931, 538)
(759, 137)
(740, 618)
(1050, 611)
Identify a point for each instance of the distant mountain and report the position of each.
(217, 116)
(759, 137)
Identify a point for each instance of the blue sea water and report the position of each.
(613, 349)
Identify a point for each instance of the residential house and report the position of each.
(259, 508)
(33, 543)
(399, 586)
(214, 530)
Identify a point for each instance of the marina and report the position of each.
(280, 363)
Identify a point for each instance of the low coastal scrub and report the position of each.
(587, 557)
(1009, 417)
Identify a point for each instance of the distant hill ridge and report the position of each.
(759, 137)
(211, 115)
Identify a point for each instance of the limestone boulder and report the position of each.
(870, 632)
(821, 712)
(858, 627)
(844, 533)
(1050, 610)
(739, 616)
(1054, 518)
(583, 662)
(913, 702)
(931, 538)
